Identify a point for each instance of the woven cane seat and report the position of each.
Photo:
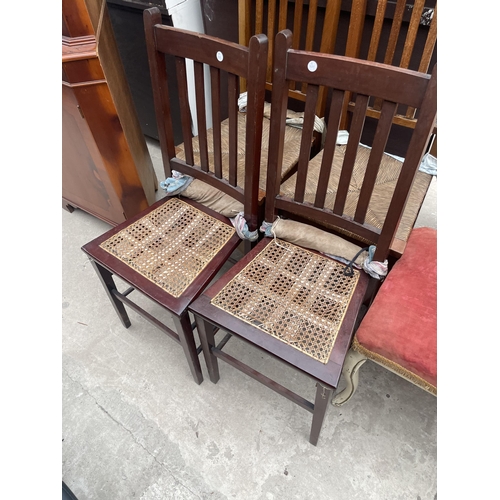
(171, 245)
(382, 194)
(290, 151)
(293, 294)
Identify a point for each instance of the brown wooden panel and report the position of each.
(216, 120)
(96, 105)
(202, 48)
(371, 78)
(85, 182)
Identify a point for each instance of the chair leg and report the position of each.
(186, 336)
(206, 331)
(323, 396)
(107, 281)
(353, 362)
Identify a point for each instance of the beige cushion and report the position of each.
(212, 198)
(311, 237)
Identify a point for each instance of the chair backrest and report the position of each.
(367, 80)
(393, 34)
(224, 59)
(310, 31)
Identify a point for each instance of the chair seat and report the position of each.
(168, 251)
(290, 151)
(399, 330)
(170, 245)
(384, 188)
(296, 304)
(295, 295)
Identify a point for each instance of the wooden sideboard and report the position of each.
(106, 167)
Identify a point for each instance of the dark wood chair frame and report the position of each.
(394, 86)
(238, 61)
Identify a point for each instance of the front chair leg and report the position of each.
(109, 285)
(323, 396)
(206, 332)
(353, 362)
(186, 336)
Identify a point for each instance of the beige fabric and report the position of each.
(316, 239)
(382, 193)
(213, 198)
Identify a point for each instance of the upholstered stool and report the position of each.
(399, 331)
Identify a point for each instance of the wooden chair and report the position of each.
(172, 250)
(294, 303)
(399, 331)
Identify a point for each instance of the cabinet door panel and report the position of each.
(85, 181)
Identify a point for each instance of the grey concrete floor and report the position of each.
(135, 425)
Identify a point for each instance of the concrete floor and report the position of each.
(135, 425)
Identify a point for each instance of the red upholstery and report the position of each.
(401, 324)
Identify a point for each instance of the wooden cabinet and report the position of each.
(106, 167)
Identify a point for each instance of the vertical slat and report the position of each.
(271, 33)
(161, 98)
(297, 29)
(395, 29)
(328, 37)
(244, 30)
(216, 120)
(282, 15)
(355, 131)
(393, 40)
(356, 25)
(305, 142)
(330, 145)
(429, 44)
(233, 127)
(180, 64)
(426, 54)
(311, 23)
(377, 30)
(330, 26)
(378, 147)
(411, 35)
(297, 23)
(201, 114)
(244, 22)
(257, 62)
(277, 127)
(418, 143)
(259, 17)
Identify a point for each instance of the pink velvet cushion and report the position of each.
(401, 324)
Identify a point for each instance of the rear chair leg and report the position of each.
(323, 396)
(186, 336)
(206, 331)
(108, 283)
